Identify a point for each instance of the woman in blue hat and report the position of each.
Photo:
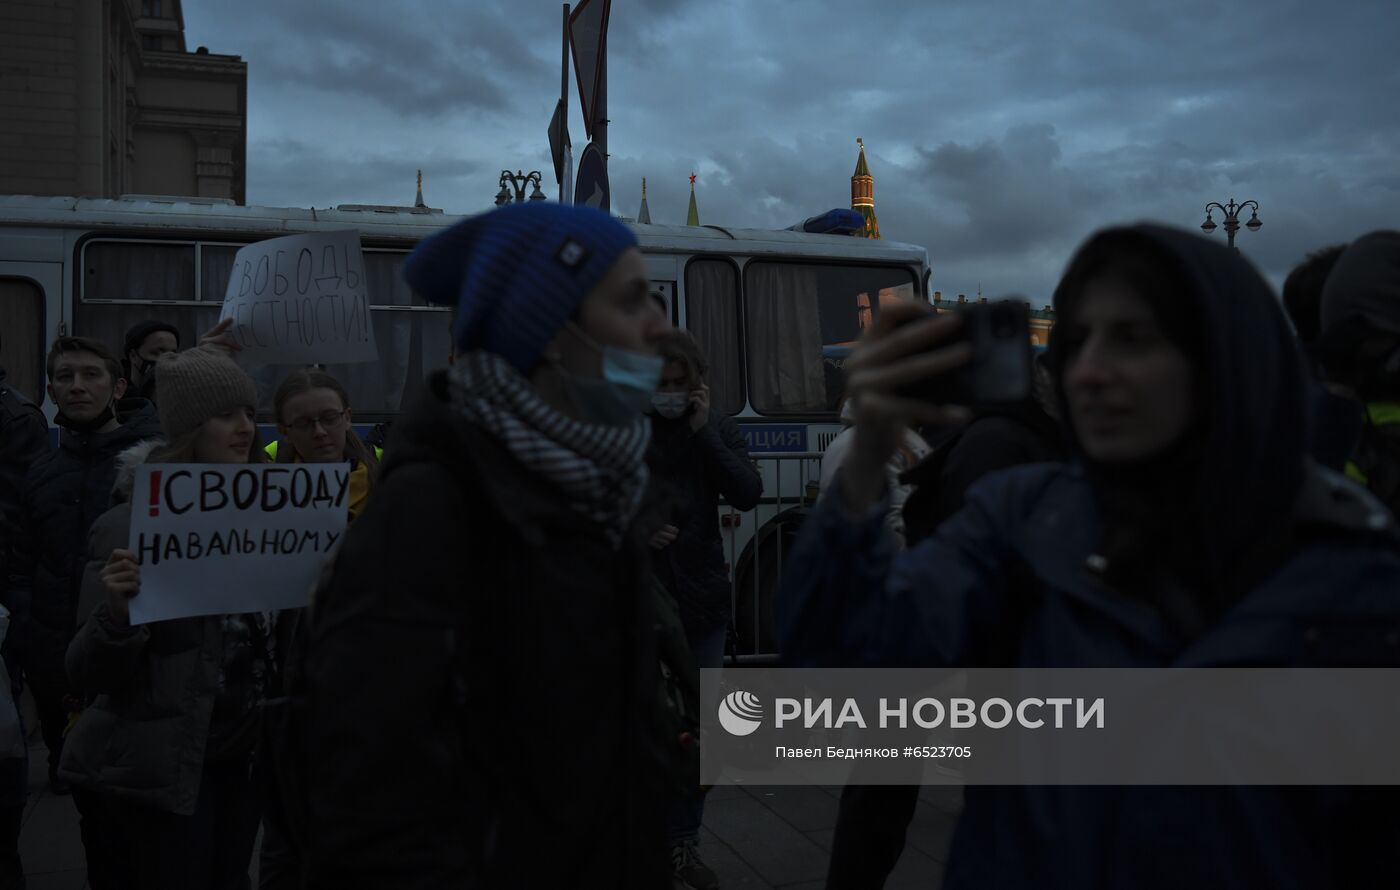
(482, 656)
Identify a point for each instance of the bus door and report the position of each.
(29, 294)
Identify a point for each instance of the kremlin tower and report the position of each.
(863, 194)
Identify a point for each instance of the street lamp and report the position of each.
(517, 181)
(1232, 218)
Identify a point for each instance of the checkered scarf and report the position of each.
(599, 468)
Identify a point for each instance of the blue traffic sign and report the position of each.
(591, 187)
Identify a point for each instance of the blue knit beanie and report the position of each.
(516, 274)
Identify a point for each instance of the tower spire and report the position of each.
(418, 201)
(644, 214)
(692, 216)
(863, 193)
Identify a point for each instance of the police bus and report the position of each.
(774, 312)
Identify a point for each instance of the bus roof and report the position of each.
(220, 217)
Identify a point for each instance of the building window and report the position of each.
(150, 41)
(150, 8)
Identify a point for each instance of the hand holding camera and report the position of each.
(916, 367)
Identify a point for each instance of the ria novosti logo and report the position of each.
(740, 713)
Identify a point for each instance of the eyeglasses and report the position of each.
(331, 420)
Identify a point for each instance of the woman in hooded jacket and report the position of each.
(482, 669)
(1190, 530)
(171, 733)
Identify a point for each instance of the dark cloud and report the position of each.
(1000, 134)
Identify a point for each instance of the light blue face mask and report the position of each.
(624, 391)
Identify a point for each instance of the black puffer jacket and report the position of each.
(64, 493)
(481, 674)
(692, 470)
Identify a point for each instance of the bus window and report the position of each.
(802, 320)
(712, 316)
(122, 282)
(125, 270)
(23, 348)
(412, 340)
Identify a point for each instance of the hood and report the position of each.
(1359, 339)
(1251, 385)
(139, 416)
(1365, 284)
(127, 462)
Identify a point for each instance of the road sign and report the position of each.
(592, 188)
(558, 139)
(588, 37)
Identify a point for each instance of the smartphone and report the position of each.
(999, 372)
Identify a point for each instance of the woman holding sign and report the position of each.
(483, 669)
(170, 735)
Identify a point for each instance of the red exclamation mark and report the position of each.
(155, 492)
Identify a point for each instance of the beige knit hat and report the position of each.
(197, 384)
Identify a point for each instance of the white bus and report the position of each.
(774, 312)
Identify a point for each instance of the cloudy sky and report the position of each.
(1000, 134)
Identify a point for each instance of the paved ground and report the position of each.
(755, 838)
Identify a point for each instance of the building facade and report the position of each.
(101, 98)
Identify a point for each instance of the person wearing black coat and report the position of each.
(482, 669)
(65, 491)
(24, 438)
(1190, 529)
(697, 458)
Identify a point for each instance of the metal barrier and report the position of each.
(756, 543)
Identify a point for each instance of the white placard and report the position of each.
(301, 300)
(218, 539)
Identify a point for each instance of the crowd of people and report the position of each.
(494, 682)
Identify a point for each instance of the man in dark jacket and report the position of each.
(1359, 348)
(1190, 530)
(697, 457)
(145, 342)
(64, 492)
(23, 439)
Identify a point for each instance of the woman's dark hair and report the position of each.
(303, 381)
(680, 347)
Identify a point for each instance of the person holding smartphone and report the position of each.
(1189, 528)
(696, 457)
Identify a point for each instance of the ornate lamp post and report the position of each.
(517, 181)
(1232, 219)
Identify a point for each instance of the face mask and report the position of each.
(625, 389)
(670, 404)
(87, 426)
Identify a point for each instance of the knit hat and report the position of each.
(137, 334)
(198, 384)
(516, 274)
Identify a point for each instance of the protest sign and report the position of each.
(301, 299)
(216, 539)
